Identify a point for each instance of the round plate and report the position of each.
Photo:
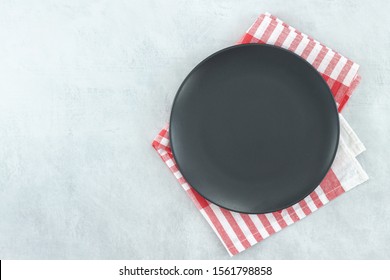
(254, 128)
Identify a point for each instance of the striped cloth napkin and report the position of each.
(240, 231)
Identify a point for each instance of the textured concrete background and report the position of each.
(86, 85)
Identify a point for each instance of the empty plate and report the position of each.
(254, 128)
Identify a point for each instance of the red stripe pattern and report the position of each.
(241, 231)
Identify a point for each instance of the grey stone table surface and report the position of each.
(86, 85)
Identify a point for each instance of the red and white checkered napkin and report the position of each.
(240, 231)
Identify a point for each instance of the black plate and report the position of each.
(254, 128)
